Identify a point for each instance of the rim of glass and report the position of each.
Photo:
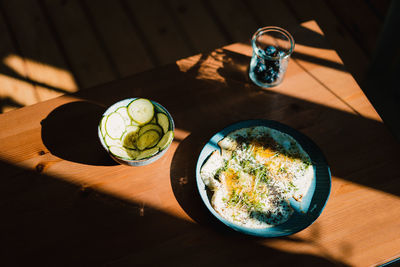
(269, 29)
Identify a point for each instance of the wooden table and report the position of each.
(65, 202)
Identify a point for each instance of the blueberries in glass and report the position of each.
(267, 70)
(270, 51)
(272, 47)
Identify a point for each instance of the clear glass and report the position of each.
(272, 47)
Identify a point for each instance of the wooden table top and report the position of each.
(64, 201)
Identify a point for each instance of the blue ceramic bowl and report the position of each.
(140, 162)
(305, 212)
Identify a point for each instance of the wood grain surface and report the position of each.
(64, 202)
(64, 46)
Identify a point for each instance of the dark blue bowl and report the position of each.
(305, 212)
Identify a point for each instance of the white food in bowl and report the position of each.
(254, 174)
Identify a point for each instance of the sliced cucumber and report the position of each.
(128, 139)
(148, 139)
(166, 140)
(124, 153)
(103, 126)
(136, 131)
(141, 111)
(151, 126)
(123, 111)
(115, 125)
(133, 152)
(147, 153)
(112, 142)
(163, 121)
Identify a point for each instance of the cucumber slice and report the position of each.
(123, 111)
(133, 152)
(147, 153)
(111, 142)
(128, 139)
(163, 121)
(103, 126)
(166, 140)
(148, 139)
(151, 126)
(115, 125)
(124, 153)
(141, 110)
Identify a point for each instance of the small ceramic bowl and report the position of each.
(140, 162)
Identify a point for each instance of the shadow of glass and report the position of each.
(48, 220)
(70, 132)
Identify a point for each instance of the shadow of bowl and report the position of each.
(70, 132)
(184, 185)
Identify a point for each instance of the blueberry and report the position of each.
(267, 71)
(260, 68)
(261, 53)
(268, 64)
(260, 75)
(273, 74)
(260, 71)
(269, 80)
(270, 51)
(274, 64)
(270, 70)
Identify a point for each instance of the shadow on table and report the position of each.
(96, 228)
(48, 221)
(342, 136)
(70, 132)
(357, 148)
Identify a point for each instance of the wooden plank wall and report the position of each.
(52, 47)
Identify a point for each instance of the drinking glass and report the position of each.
(272, 47)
